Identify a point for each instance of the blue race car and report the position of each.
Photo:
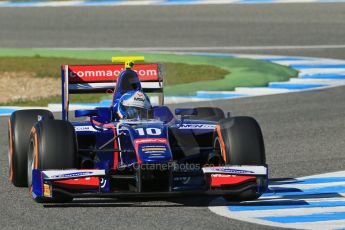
(131, 148)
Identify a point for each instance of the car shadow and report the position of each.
(185, 201)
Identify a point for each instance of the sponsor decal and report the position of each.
(139, 99)
(109, 73)
(226, 179)
(79, 183)
(139, 96)
(84, 129)
(197, 126)
(75, 174)
(244, 170)
(154, 149)
(140, 141)
(223, 175)
(236, 171)
(150, 140)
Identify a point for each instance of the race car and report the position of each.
(131, 148)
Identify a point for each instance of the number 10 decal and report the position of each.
(149, 131)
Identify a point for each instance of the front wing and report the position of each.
(219, 180)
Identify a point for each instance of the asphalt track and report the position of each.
(179, 26)
(304, 132)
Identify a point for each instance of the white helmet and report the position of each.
(134, 105)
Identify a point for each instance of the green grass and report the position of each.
(181, 79)
(41, 66)
(50, 67)
(56, 99)
(47, 67)
(244, 73)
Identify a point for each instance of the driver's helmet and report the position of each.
(134, 105)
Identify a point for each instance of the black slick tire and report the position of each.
(53, 145)
(242, 145)
(19, 127)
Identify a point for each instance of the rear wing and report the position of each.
(78, 79)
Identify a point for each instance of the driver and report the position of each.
(133, 105)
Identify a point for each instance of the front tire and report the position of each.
(19, 126)
(243, 144)
(53, 145)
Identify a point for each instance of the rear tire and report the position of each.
(209, 114)
(54, 142)
(19, 126)
(243, 145)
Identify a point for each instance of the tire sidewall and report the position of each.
(20, 124)
(243, 145)
(243, 141)
(56, 148)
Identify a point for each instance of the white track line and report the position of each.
(255, 214)
(209, 48)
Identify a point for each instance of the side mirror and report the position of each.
(186, 112)
(86, 113)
